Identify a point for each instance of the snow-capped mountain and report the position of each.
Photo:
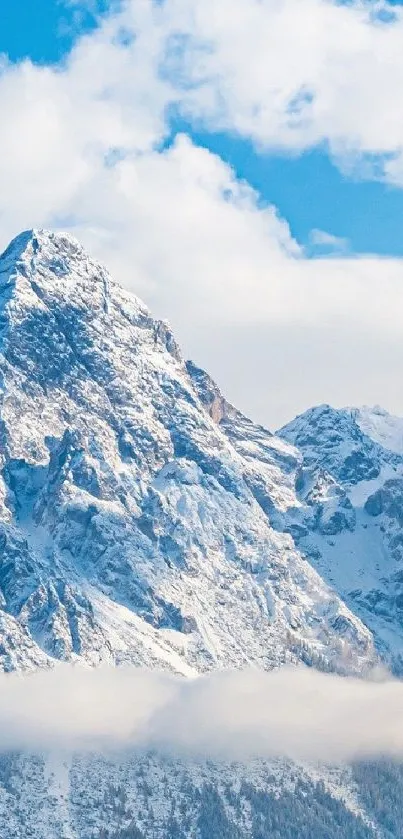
(351, 490)
(133, 521)
(143, 519)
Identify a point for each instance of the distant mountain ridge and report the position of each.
(352, 527)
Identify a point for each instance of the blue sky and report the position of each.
(308, 189)
(44, 30)
(261, 91)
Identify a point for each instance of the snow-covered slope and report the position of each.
(128, 515)
(381, 426)
(333, 440)
(143, 519)
(352, 490)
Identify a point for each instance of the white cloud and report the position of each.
(295, 713)
(294, 73)
(80, 148)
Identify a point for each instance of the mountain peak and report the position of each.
(333, 439)
(38, 239)
(39, 255)
(45, 270)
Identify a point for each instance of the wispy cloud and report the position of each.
(328, 242)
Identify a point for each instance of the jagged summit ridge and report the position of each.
(332, 438)
(54, 264)
(40, 236)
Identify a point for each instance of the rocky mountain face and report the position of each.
(135, 502)
(145, 520)
(351, 490)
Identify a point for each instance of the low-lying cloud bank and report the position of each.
(294, 712)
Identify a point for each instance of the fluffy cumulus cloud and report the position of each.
(294, 73)
(295, 713)
(84, 146)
